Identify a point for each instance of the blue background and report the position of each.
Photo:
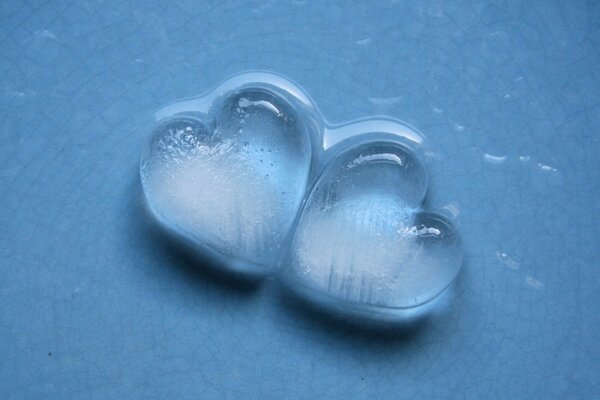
(94, 304)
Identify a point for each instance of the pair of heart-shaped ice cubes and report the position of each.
(252, 175)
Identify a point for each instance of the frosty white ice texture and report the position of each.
(363, 242)
(235, 186)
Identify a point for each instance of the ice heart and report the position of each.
(231, 179)
(363, 246)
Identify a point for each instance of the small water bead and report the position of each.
(362, 246)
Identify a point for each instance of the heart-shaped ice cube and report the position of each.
(362, 246)
(231, 179)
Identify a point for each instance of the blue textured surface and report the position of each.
(94, 305)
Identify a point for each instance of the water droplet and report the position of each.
(458, 127)
(494, 159)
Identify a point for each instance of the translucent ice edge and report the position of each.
(201, 204)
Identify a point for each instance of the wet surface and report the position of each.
(509, 94)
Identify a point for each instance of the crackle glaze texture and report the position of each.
(95, 305)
